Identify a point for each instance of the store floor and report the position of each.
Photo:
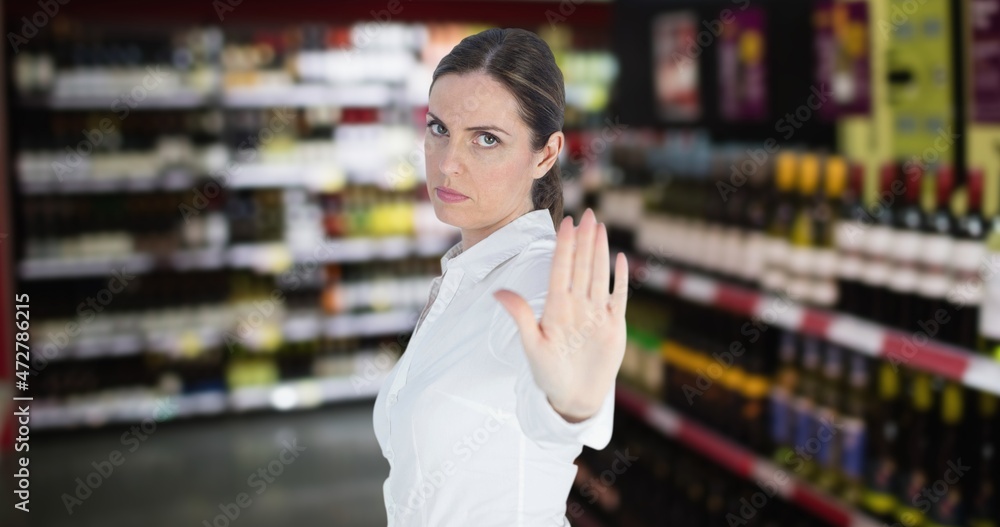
(181, 473)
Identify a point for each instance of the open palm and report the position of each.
(577, 347)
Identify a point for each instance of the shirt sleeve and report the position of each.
(538, 419)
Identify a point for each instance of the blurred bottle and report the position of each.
(937, 249)
(884, 430)
(850, 240)
(905, 248)
(854, 430)
(874, 301)
(783, 207)
(916, 428)
(989, 313)
(782, 412)
(969, 253)
(948, 509)
(981, 487)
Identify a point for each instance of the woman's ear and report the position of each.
(550, 153)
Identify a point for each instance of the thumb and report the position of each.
(521, 311)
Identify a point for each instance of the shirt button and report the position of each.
(392, 510)
(388, 454)
(393, 398)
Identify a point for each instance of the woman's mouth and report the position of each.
(449, 196)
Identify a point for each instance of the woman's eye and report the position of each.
(487, 140)
(437, 129)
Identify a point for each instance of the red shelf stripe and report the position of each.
(931, 356)
(737, 299)
(720, 450)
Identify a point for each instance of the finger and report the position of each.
(562, 260)
(522, 313)
(602, 268)
(583, 262)
(620, 294)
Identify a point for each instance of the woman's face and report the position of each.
(477, 145)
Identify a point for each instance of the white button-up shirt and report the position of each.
(470, 438)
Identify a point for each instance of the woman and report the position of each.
(483, 416)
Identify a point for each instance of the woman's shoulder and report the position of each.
(527, 273)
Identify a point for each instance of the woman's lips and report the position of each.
(449, 197)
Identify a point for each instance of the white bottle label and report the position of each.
(936, 249)
(989, 313)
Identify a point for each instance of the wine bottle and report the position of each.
(982, 485)
(882, 472)
(783, 205)
(906, 246)
(937, 248)
(989, 311)
(916, 428)
(875, 302)
(854, 434)
(966, 293)
(850, 241)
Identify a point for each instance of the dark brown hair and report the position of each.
(523, 63)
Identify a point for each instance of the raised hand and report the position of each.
(577, 348)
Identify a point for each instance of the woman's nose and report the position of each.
(451, 159)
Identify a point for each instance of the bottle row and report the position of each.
(276, 63)
(119, 225)
(156, 302)
(303, 374)
(800, 228)
(644, 479)
(877, 434)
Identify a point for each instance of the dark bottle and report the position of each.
(906, 246)
(882, 472)
(982, 483)
(829, 419)
(854, 432)
(947, 508)
(782, 414)
(874, 302)
(807, 403)
(916, 428)
(968, 255)
(936, 250)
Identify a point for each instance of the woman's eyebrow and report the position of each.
(489, 127)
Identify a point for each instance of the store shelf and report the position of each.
(84, 183)
(290, 395)
(860, 335)
(294, 327)
(267, 257)
(180, 99)
(738, 459)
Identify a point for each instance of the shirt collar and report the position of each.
(499, 246)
